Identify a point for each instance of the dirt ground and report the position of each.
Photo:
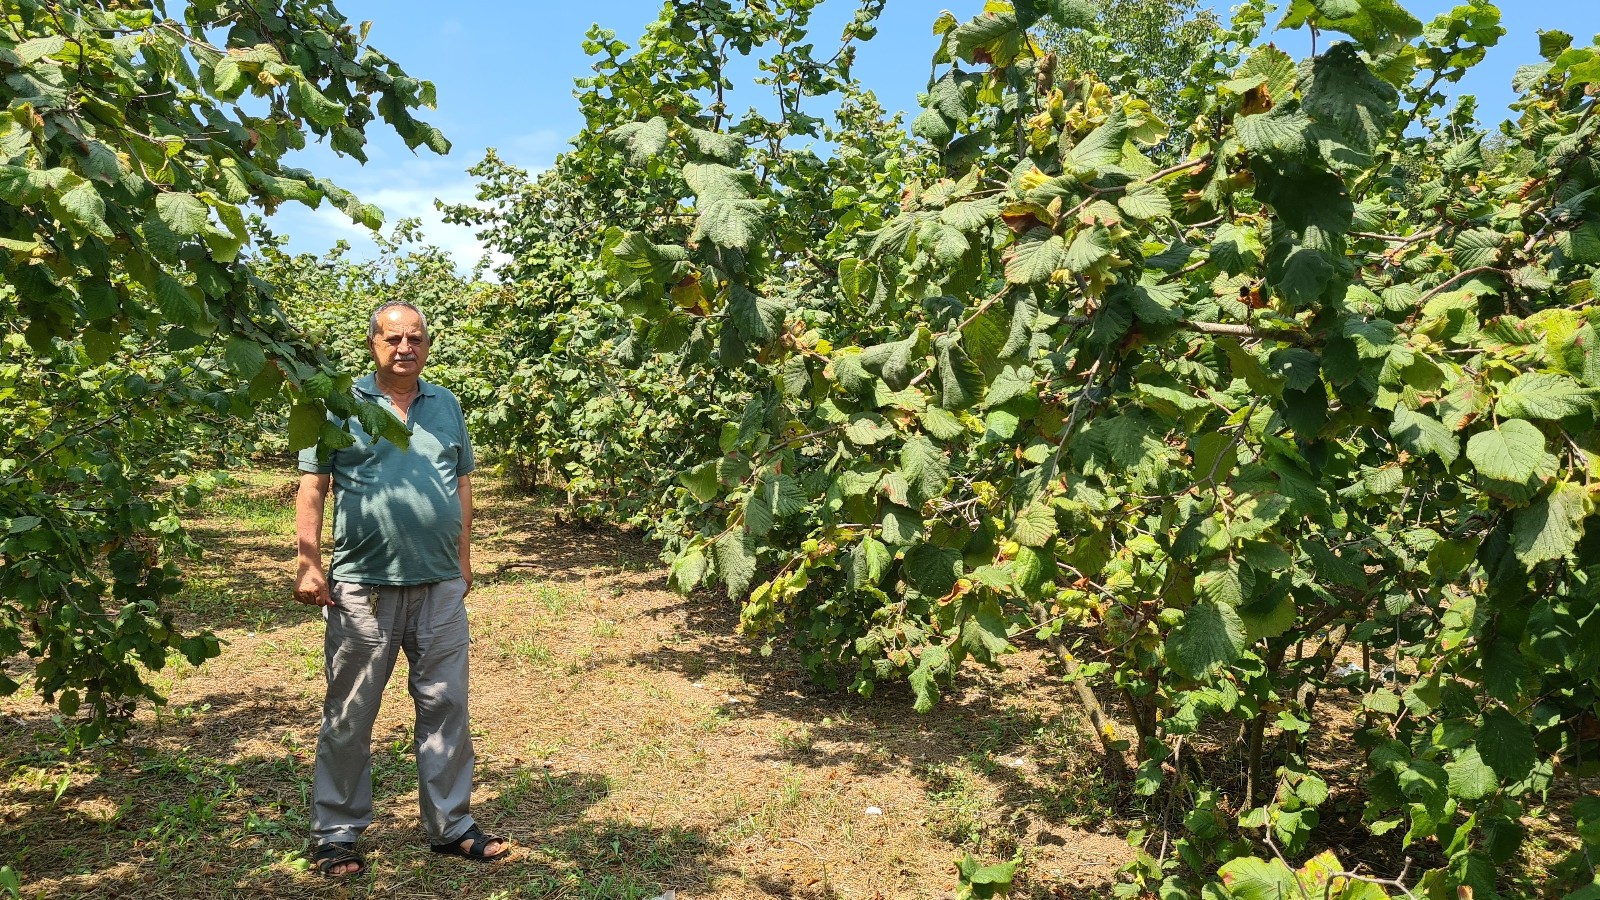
(629, 742)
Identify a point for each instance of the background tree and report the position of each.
(131, 146)
(1219, 405)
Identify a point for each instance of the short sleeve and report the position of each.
(466, 462)
(310, 465)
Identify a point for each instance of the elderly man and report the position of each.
(402, 567)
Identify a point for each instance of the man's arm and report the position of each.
(464, 490)
(310, 585)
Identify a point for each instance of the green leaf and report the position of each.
(869, 428)
(688, 570)
(244, 356)
(1350, 105)
(933, 127)
(724, 148)
(867, 563)
(1373, 339)
(1470, 777)
(924, 679)
(1249, 878)
(932, 569)
(960, 380)
(1145, 201)
(1278, 134)
(1476, 247)
(83, 206)
(1089, 247)
(314, 105)
(702, 482)
(1101, 149)
(757, 319)
(1533, 395)
(736, 561)
(1506, 744)
(1236, 248)
(941, 423)
(900, 525)
(1035, 526)
(642, 141)
(174, 301)
(1035, 257)
(925, 468)
(1552, 526)
(1211, 634)
(1422, 434)
(1512, 452)
(305, 425)
(185, 214)
(1220, 585)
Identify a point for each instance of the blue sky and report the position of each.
(504, 72)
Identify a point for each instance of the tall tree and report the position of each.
(132, 145)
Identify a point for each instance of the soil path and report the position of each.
(629, 741)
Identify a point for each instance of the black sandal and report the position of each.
(332, 854)
(476, 852)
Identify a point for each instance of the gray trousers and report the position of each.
(367, 627)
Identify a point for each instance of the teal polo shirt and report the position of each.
(397, 513)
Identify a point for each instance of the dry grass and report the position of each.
(629, 742)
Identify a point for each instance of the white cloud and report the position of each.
(404, 186)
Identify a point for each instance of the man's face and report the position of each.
(400, 348)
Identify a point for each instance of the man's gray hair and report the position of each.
(372, 324)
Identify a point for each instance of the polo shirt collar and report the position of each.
(368, 385)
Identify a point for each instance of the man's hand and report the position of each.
(312, 587)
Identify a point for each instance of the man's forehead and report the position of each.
(396, 321)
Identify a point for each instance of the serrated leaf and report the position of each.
(960, 380)
(1220, 586)
(1089, 247)
(1211, 634)
(758, 319)
(305, 424)
(865, 429)
(983, 632)
(83, 206)
(244, 356)
(1035, 258)
(185, 214)
(173, 299)
(1534, 395)
(1035, 525)
(941, 423)
(1145, 201)
(736, 561)
(867, 563)
(1476, 247)
(1248, 878)
(1100, 149)
(932, 569)
(1551, 527)
(642, 141)
(900, 525)
(924, 678)
(1512, 452)
(688, 570)
(924, 467)
(1421, 433)
(702, 482)
(1506, 744)
(1470, 777)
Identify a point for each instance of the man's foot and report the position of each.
(338, 859)
(475, 845)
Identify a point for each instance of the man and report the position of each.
(402, 567)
